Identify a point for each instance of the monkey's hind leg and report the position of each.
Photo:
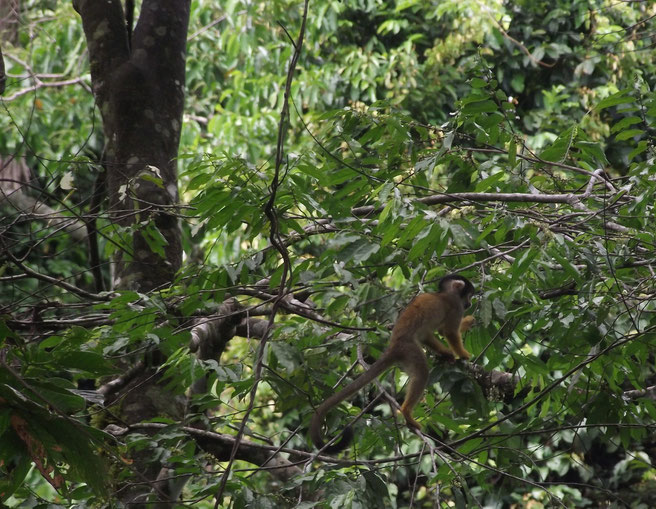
(415, 365)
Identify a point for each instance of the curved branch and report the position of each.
(31, 207)
(62, 284)
(271, 213)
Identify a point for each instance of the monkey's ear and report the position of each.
(457, 285)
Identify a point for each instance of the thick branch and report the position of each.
(220, 446)
(293, 305)
(479, 197)
(210, 334)
(31, 207)
(496, 385)
(649, 392)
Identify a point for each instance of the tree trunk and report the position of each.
(138, 84)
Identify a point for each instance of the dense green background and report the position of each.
(392, 101)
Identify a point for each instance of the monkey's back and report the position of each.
(428, 312)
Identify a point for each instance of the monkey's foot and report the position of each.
(447, 356)
(464, 355)
(410, 422)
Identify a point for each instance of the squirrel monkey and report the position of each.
(428, 312)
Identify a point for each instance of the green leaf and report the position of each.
(198, 181)
(615, 99)
(151, 174)
(390, 232)
(594, 150)
(385, 212)
(522, 264)
(640, 148)
(474, 108)
(624, 123)
(424, 244)
(155, 240)
(512, 153)
(20, 463)
(89, 362)
(626, 135)
(62, 399)
(411, 231)
(560, 147)
(358, 251)
(567, 266)
(285, 355)
(489, 184)
(499, 308)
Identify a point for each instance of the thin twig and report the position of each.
(277, 242)
(54, 281)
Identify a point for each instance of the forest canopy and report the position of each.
(212, 214)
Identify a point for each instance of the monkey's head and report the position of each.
(459, 285)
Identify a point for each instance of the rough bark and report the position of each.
(139, 87)
(3, 76)
(9, 21)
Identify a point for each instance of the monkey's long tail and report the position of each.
(376, 369)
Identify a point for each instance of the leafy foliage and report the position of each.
(510, 143)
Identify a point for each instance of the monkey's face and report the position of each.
(466, 299)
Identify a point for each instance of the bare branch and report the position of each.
(62, 284)
(35, 209)
(569, 199)
(276, 241)
(649, 392)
